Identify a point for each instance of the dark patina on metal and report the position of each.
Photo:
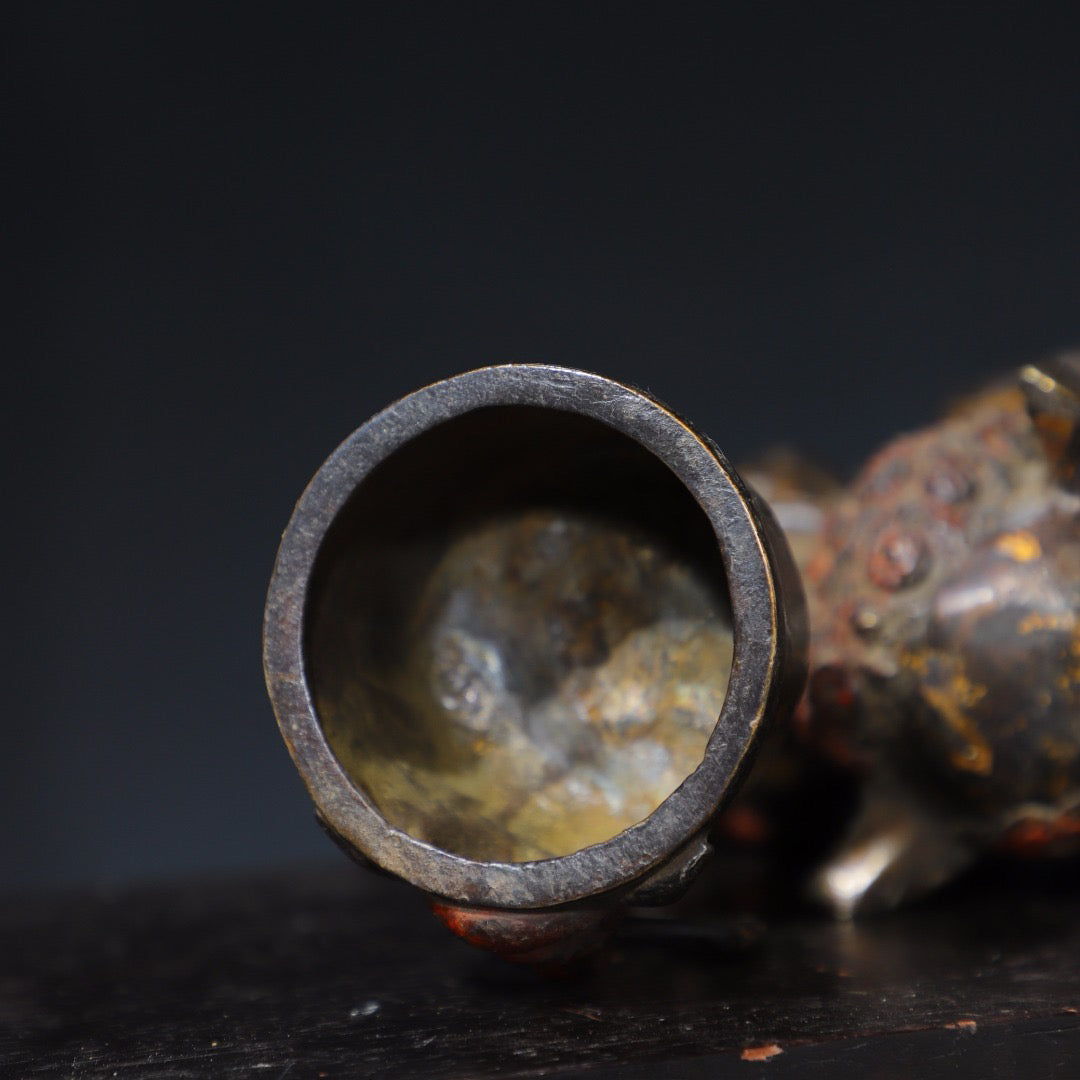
(944, 594)
(524, 632)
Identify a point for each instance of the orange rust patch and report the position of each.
(1031, 837)
(1022, 546)
(950, 702)
(817, 570)
(965, 691)
(918, 662)
(745, 825)
(761, 1053)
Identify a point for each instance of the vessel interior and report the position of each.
(518, 634)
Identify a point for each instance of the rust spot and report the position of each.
(1021, 546)
(761, 1053)
(950, 703)
(1030, 838)
(746, 825)
(917, 662)
(832, 717)
(818, 568)
(831, 690)
(965, 691)
(549, 939)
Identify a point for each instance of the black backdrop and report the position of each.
(237, 231)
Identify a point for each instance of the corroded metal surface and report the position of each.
(944, 590)
(524, 632)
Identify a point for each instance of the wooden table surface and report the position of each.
(328, 971)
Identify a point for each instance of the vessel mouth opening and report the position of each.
(518, 635)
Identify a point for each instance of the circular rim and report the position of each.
(751, 582)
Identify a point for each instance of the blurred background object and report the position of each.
(235, 233)
(944, 595)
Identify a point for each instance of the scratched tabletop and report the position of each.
(328, 971)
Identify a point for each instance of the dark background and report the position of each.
(236, 232)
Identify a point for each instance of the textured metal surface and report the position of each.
(944, 590)
(371, 501)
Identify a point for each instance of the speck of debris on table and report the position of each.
(963, 1025)
(761, 1053)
